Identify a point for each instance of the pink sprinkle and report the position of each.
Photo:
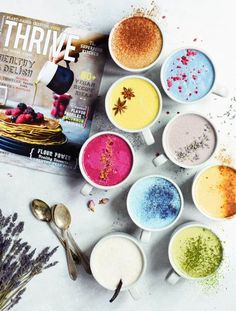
(184, 76)
(194, 77)
(198, 71)
(176, 78)
(184, 60)
(169, 83)
(190, 94)
(178, 66)
(178, 59)
(191, 52)
(180, 87)
(195, 39)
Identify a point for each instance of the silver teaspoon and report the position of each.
(43, 212)
(84, 259)
(62, 220)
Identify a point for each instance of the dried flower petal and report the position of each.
(91, 205)
(104, 201)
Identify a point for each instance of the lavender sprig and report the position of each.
(18, 263)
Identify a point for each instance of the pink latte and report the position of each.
(107, 160)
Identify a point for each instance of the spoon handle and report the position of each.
(75, 257)
(84, 259)
(70, 262)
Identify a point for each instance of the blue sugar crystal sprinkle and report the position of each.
(154, 202)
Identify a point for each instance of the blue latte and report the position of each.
(154, 202)
(188, 75)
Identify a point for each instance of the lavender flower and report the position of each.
(18, 263)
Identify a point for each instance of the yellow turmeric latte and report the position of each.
(215, 191)
(133, 104)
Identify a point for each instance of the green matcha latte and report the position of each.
(196, 251)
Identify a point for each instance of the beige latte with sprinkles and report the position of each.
(136, 42)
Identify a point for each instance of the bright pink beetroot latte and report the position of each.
(107, 160)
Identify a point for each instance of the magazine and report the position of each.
(50, 76)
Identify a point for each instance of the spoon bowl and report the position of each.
(41, 210)
(61, 216)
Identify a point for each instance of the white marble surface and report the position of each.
(212, 22)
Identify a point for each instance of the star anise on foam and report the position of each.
(127, 93)
(120, 106)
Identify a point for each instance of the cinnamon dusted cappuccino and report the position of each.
(136, 42)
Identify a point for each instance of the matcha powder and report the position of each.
(197, 252)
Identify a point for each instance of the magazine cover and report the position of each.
(50, 76)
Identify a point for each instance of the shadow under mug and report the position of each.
(216, 88)
(146, 131)
(163, 158)
(174, 275)
(57, 78)
(146, 233)
(133, 288)
(89, 185)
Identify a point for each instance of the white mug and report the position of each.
(163, 158)
(147, 232)
(132, 289)
(197, 175)
(146, 131)
(134, 70)
(216, 88)
(89, 185)
(175, 274)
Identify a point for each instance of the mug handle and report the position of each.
(145, 236)
(220, 90)
(135, 293)
(172, 277)
(148, 137)
(67, 63)
(160, 160)
(86, 189)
